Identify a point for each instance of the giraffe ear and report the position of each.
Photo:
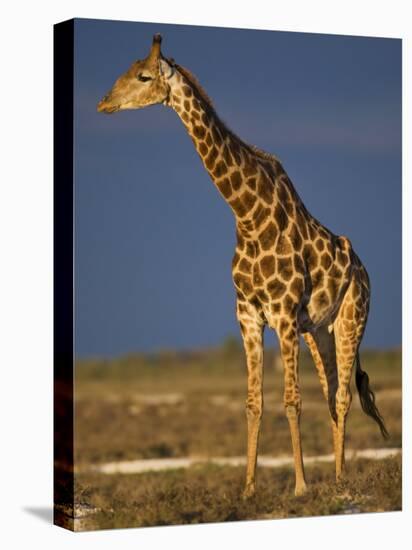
(165, 69)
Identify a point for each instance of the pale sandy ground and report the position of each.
(161, 464)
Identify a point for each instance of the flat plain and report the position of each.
(192, 404)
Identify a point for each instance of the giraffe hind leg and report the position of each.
(322, 348)
(321, 344)
(349, 327)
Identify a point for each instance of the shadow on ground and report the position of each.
(44, 513)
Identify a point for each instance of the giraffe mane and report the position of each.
(194, 82)
(200, 91)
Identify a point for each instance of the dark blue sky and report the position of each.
(154, 239)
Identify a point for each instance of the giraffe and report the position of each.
(289, 271)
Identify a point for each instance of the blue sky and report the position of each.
(154, 239)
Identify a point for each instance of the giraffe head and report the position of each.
(144, 83)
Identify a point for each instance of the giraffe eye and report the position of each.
(143, 78)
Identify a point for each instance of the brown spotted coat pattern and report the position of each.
(290, 272)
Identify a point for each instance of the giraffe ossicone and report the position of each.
(290, 272)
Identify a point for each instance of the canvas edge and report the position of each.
(63, 231)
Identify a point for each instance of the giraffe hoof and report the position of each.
(340, 477)
(249, 492)
(301, 490)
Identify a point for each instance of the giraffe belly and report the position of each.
(280, 286)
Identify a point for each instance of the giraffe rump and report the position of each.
(367, 398)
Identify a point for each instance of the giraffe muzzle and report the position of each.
(106, 106)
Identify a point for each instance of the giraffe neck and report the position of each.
(244, 176)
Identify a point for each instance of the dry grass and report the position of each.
(207, 494)
(192, 404)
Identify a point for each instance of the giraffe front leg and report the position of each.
(289, 347)
(252, 333)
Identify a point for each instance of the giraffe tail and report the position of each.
(367, 397)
